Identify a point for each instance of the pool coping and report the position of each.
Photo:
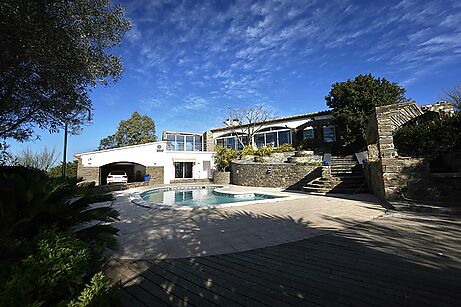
(135, 197)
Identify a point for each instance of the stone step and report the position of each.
(338, 190)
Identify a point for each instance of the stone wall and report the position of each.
(274, 175)
(88, 173)
(156, 174)
(387, 173)
(221, 177)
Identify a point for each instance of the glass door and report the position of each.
(183, 169)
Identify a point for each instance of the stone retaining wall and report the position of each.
(273, 175)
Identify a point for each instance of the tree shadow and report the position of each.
(410, 259)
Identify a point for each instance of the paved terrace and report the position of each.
(348, 258)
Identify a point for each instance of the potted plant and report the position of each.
(222, 159)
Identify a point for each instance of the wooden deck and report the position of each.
(398, 259)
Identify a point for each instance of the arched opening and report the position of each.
(134, 171)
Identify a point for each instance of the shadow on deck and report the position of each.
(410, 259)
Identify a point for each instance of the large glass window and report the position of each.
(179, 142)
(229, 142)
(271, 139)
(308, 133)
(189, 143)
(260, 140)
(197, 143)
(220, 142)
(284, 137)
(170, 142)
(329, 134)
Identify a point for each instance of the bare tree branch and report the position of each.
(247, 122)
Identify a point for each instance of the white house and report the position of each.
(154, 159)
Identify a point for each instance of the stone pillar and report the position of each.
(208, 142)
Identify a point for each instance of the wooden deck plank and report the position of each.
(215, 285)
(358, 285)
(263, 289)
(373, 263)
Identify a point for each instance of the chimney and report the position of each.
(235, 122)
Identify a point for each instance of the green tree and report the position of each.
(52, 53)
(353, 101)
(71, 170)
(138, 129)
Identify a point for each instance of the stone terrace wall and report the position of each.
(273, 175)
(386, 173)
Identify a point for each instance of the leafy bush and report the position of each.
(98, 293)
(223, 158)
(429, 139)
(29, 200)
(284, 148)
(247, 151)
(264, 151)
(52, 274)
(71, 170)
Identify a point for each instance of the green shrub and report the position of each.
(284, 148)
(98, 293)
(429, 139)
(29, 200)
(247, 151)
(264, 151)
(52, 274)
(223, 158)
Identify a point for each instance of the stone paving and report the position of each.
(159, 234)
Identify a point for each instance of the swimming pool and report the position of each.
(195, 197)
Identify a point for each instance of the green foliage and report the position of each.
(29, 200)
(71, 171)
(353, 101)
(429, 139)
(52, 53)
(98, 293)
(223, 158)
(135, 130)
(264, 151)
(247, 151)
(53, 273)
(284, 148)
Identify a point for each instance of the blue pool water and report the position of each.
(197, 197)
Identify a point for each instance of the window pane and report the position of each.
(179, 142)
(271, 139)
(308, 133)
(198, 143)
(189, 143)
(259, 139)
(229, 142)
(284, 137)
(245, 140)
(170, 142)
(329, 134)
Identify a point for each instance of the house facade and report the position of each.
(188, 156)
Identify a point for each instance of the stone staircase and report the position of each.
(346, 176)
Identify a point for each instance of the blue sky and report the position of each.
(187, 62)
